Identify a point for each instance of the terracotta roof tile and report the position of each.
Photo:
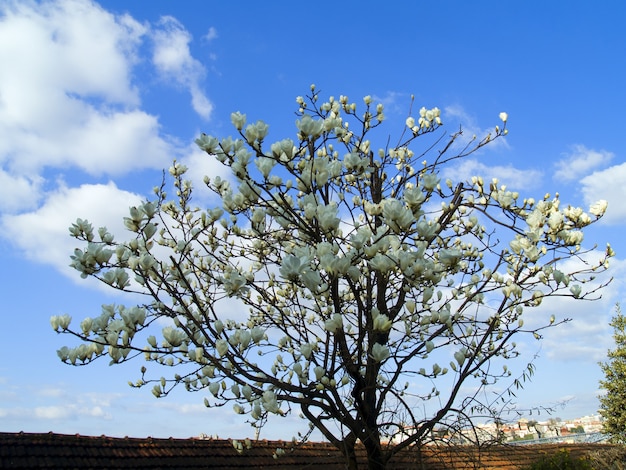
(59, 451)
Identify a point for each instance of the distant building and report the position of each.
(521, 430)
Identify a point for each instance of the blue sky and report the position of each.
(97, 98)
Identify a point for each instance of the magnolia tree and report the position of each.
(374, 292)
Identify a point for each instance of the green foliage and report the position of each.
(608, 458)
(613, 403)
(562, 460)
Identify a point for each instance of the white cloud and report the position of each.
(51, 391)
(199, 165)
(55, 403)
(193, 408)
(172, 58)
(471, 128)
(394, 102)
(80, 47)
(98, 143)
(68, 99)
(609, 184)
(586, 336)
(43, 234)
(18, 192)
(510, 176)
(579, 162)
(55, 412)
(211, 34)
(51, 412)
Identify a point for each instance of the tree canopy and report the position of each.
(345, 274)
(613, 403)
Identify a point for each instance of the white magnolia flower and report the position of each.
(238, 120)
(380, 352)
(306, 350)
(397, 216)
(599, 208)
(61, 321)
(382, 323)
(535, 219)
(449, 257)
(265, 165)
(207, 143)
(269, 402)
(560, 277)
(293, 266)
(571, 237)
(173, 336)
(504, 116)
(257, 334)
(327, 216)
(427, 230)
(256, 412)
(460, 356)
(221, 345)
(283, 150)
(414, 196)
(555, 220)
(430, 181)
(309, 127)
(334, 324)
(312, 280)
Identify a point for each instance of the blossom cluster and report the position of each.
(427, 119)
(355, 266)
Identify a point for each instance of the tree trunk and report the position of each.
(348, 450)
(375, 457)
